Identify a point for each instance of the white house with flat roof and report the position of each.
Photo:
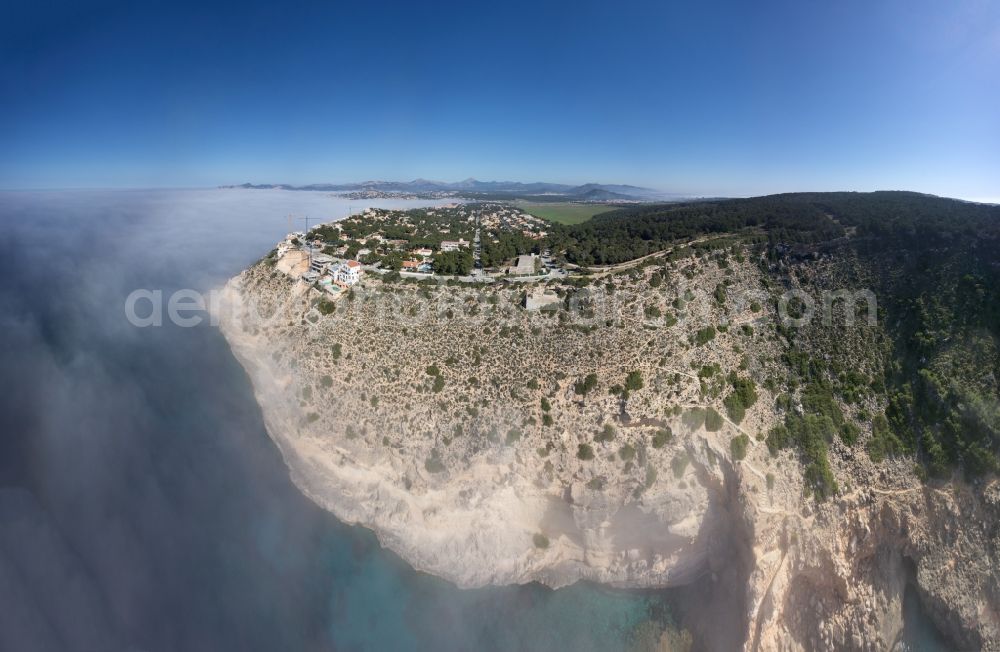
(454, 245)
(347, 273)
(320, 263)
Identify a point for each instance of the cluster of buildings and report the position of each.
(419, 260)
(305, 260)
(332, 256)
(332, 275)
(509, 218)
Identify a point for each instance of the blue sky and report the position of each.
(702, 97)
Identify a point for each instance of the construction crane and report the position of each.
(305, 244)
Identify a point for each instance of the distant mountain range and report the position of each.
(585, 192)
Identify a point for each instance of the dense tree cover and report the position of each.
(942, 384)
(629, 233)
(419, 227)
(511, 244)
(935, 265)
(884, 217)
(456, 263)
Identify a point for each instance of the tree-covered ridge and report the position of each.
(630, 233)
(943, 383)
(934, 265)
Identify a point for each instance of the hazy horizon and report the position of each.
(718, 99)
(678, 195)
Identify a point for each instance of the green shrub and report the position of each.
(811, 432)
(817, 398)
(633, 381)
(541, 541)
(661, 437)
(777, 438)
(587, 384)
(720, 294)
(745, 389)
(884, 442)
(744, 395)
(694, 418)
(738, 446)
(704, 335)
(626, 452)
(607, 433)
(708, 370)
(734, 408)
(849, 433)
(713, 420)
(584, 452)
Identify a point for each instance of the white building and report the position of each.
(454, 245)
(347, 273)
(320, 263)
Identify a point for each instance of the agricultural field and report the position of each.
(564, 212)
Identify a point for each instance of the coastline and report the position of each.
(474, 526)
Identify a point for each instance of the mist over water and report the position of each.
(142, 504)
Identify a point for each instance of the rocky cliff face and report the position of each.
(463, 440)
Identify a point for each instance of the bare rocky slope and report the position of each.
(463, 430)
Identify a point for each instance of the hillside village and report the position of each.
(477, 242)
